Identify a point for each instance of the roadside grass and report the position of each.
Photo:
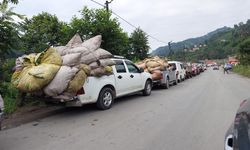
(10, 95)
(242, 70)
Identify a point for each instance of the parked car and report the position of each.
(195, 69)
(127, 78)
(178, 67)
(238, 134)
(1, 110)
(215, 67)
(188, 69)
(168, 77)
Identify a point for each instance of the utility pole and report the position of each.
(107, 5)
(170, 48)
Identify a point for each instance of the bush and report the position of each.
(9, 94)
(6, 69)
(242, 70)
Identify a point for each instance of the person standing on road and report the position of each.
(225, 68)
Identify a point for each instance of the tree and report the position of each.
(139, 44)
(9, 30)
(42, 31)
(99, 22)
(9, 1)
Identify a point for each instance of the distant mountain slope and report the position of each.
(189, 43)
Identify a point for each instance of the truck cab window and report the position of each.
(120, 68)
(132, 68)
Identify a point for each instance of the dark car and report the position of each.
(238, 135)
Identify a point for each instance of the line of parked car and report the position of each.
(126, 79)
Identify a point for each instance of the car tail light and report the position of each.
(80, 92)
(161, 76)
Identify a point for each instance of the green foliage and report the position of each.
(6, 69)
(139, 45)
(97, 21)
(42, 31)
(244, 52)
(9, 94)
(11, 1)
(242, 69)
(9, 31)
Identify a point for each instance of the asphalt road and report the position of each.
(194, 115)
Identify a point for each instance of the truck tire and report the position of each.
(176, 82)
(147, 88)
(105, 99)
(166, 85)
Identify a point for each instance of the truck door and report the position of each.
(135, 76)
(121, 78)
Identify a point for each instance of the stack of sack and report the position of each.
(34, 71)
(89, 53)
(60, 72)
(154, 66)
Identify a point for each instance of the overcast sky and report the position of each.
(167, 20)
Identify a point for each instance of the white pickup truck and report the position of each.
(127, 78)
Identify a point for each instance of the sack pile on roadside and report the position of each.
(61, 71)
(154, 66)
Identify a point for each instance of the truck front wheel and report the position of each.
(147, 88)
(105, 99)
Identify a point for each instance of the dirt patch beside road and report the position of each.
(28, 114)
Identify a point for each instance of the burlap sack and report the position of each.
(152, 64)
(77, 82)
(71, 59)
(142, 65)
(94, 65)
(64, 97)
(106, 62)
(60, 81)
(102, 54)
(85, 68)
(19, 64)
(75, 41)
(108, 70)
(93, 44)
(88, 59)
(81, 49)
(156, 75)
(36, 77)
(98, 72)
(62, 50)
(161, 68)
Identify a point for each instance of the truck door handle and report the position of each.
(119, 77)
(131, 76)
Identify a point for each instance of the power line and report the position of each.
(129, 22)
(98, 3)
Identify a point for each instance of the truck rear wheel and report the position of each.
(105, 99)
(147, 89)
(166, 85)
(176, 82)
